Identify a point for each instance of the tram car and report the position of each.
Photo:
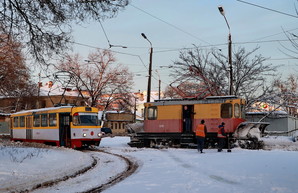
(68, 126)
(164, 122)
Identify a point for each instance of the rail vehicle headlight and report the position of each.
(99, 134)
(84, 134)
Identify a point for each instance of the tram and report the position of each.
(164, 122)
(68, 126)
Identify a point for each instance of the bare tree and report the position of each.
(45, 25)
(286, 93)
(14, 74)
(185, 90)
(210, 69)
(98, 76)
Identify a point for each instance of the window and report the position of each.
(53, 119)
(43, 104)
(16, 122)
(237, 110)
(226, 110)
(152, 113)
(22, 121)
(115, 125)
(36, 120)
(44, 120)
(243, 111)
(85, 119)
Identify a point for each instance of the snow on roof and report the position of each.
(42, 109)
(56, 90)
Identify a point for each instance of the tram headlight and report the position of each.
(84, 134)
(99, 134)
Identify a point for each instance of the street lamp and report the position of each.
(221, 10)
(150, 68)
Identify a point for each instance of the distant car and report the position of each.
(106, 130)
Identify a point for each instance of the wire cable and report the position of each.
(268, 9)
(177, 28)
(104, 31)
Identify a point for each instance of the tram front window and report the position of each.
(85, 119)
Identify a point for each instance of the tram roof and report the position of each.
(42, 109)
(191, 101)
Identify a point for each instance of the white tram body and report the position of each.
(61, 126)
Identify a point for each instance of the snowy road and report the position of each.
(160, 170)
(185, 170)
(108, 167)
(29, 169)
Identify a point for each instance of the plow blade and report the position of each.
(250, 130)
(248, 134)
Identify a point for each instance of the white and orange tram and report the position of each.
(67, 126)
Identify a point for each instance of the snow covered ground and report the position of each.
(185, 170)
(22, 168)
(160, 170)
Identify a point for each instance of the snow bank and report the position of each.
(280, 142)
(23, 168)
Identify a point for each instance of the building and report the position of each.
(48, 95)
(117, 121)
(4, 124)
(280, 122)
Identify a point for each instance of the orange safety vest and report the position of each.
(219, 132)
(200, 130)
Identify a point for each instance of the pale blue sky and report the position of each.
(189, 22)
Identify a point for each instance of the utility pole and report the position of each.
(221, 10)
(150, 69)
(159, 84)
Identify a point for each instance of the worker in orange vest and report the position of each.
(201, 131)
(221, 136)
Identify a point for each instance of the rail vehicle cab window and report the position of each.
(226, 110)
(36, 120)
(243, 111)
(22, 121)
(44, 120)
(152, 113)
(52, 119)
(237, 109)
(16, 122)
(85, 119)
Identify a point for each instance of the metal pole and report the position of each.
(159, 84)
(150, 68)
(230, 64)
(149, 78)
(222, 12)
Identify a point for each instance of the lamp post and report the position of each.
(221, 10)
(150, 68)
(159, 84)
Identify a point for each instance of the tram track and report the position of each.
(91, 177)
(132, 166)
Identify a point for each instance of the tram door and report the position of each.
(29, 125)
(64, 129)
(187, 117)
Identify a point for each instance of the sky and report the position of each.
(173, 25)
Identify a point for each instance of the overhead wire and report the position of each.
(104, 31)
(274, 34)
(174, 26)
(215, 45)
(129, 54)
(189, 34)
(283, 13)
